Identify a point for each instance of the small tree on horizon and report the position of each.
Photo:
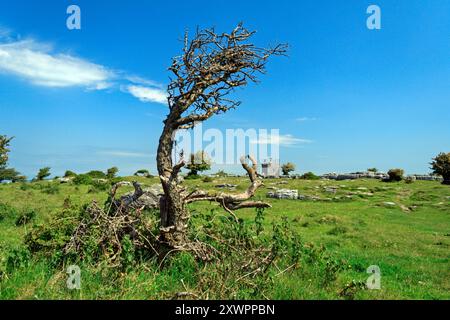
(441, 166)
(287, 168)
(112, 172)
(143, 173)
(5, 172)
(43, 173)
(96, 174)
(199, 161)
(374, 170)
(396, 175)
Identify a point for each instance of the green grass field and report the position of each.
(409, 241)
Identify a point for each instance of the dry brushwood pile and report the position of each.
(106, 227)
(122, 217)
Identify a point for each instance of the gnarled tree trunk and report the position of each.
(173, 212)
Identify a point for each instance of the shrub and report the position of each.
(441, 166)
(96, 174)
(395, 175)
(53, 236)
(112, 172)
(221, 174)
(309, 176)
(43, 173)
(143, 173)
(199, 161)
(19, 178)
(11, 174)
(69, 174)
(5, 172)
(287, 168)
(25, 217)
(82, 179)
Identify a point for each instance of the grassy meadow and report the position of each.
(402, 228)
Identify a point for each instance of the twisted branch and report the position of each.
(231, 202)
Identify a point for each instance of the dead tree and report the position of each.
(211, 66)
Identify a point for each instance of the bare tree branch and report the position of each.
(211, 67)
(232, 202)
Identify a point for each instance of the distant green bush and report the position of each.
(441, 166)
(309, 176)
(287, 168)
(96, 174)
(43, 173)
(69, 174)
(5, 172)
(143, 173)
(395, 175)
(82, 179)
(221, 174)
(199, 162)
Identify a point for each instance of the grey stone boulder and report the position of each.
(150, 198)
(283, 194)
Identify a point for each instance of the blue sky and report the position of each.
(91, 98)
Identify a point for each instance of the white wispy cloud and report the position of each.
(39, 65)
(124, 154)
(282, 140)
(303, 119)
(147, 94)
(142, 81)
